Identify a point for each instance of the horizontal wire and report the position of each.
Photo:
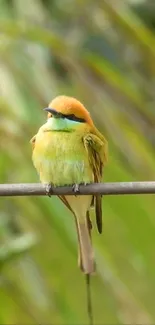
(116, 188)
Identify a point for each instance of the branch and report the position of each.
(95, 188)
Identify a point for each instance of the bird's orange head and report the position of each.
(70, 108)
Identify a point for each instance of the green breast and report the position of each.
(60, 158)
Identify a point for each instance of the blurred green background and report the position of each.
(103, 53)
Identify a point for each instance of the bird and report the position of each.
(69, 150)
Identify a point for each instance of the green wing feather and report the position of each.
(96, 147)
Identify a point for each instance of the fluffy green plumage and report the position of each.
(59, 156)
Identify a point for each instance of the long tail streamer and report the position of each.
(89, 300)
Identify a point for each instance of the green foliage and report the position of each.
(103, 54)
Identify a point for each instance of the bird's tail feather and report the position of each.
(86, 256)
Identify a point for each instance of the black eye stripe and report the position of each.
(72, 117)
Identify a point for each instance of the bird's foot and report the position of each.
(76, 188)
(49, 189)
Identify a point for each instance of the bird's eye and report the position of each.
(75, 118)
(72, 117)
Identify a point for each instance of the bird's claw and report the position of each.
(49, 189)
(76, 188)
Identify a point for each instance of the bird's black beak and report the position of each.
(53, 112)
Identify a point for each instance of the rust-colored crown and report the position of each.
(70, 105)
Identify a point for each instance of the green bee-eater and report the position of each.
(68, 149)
